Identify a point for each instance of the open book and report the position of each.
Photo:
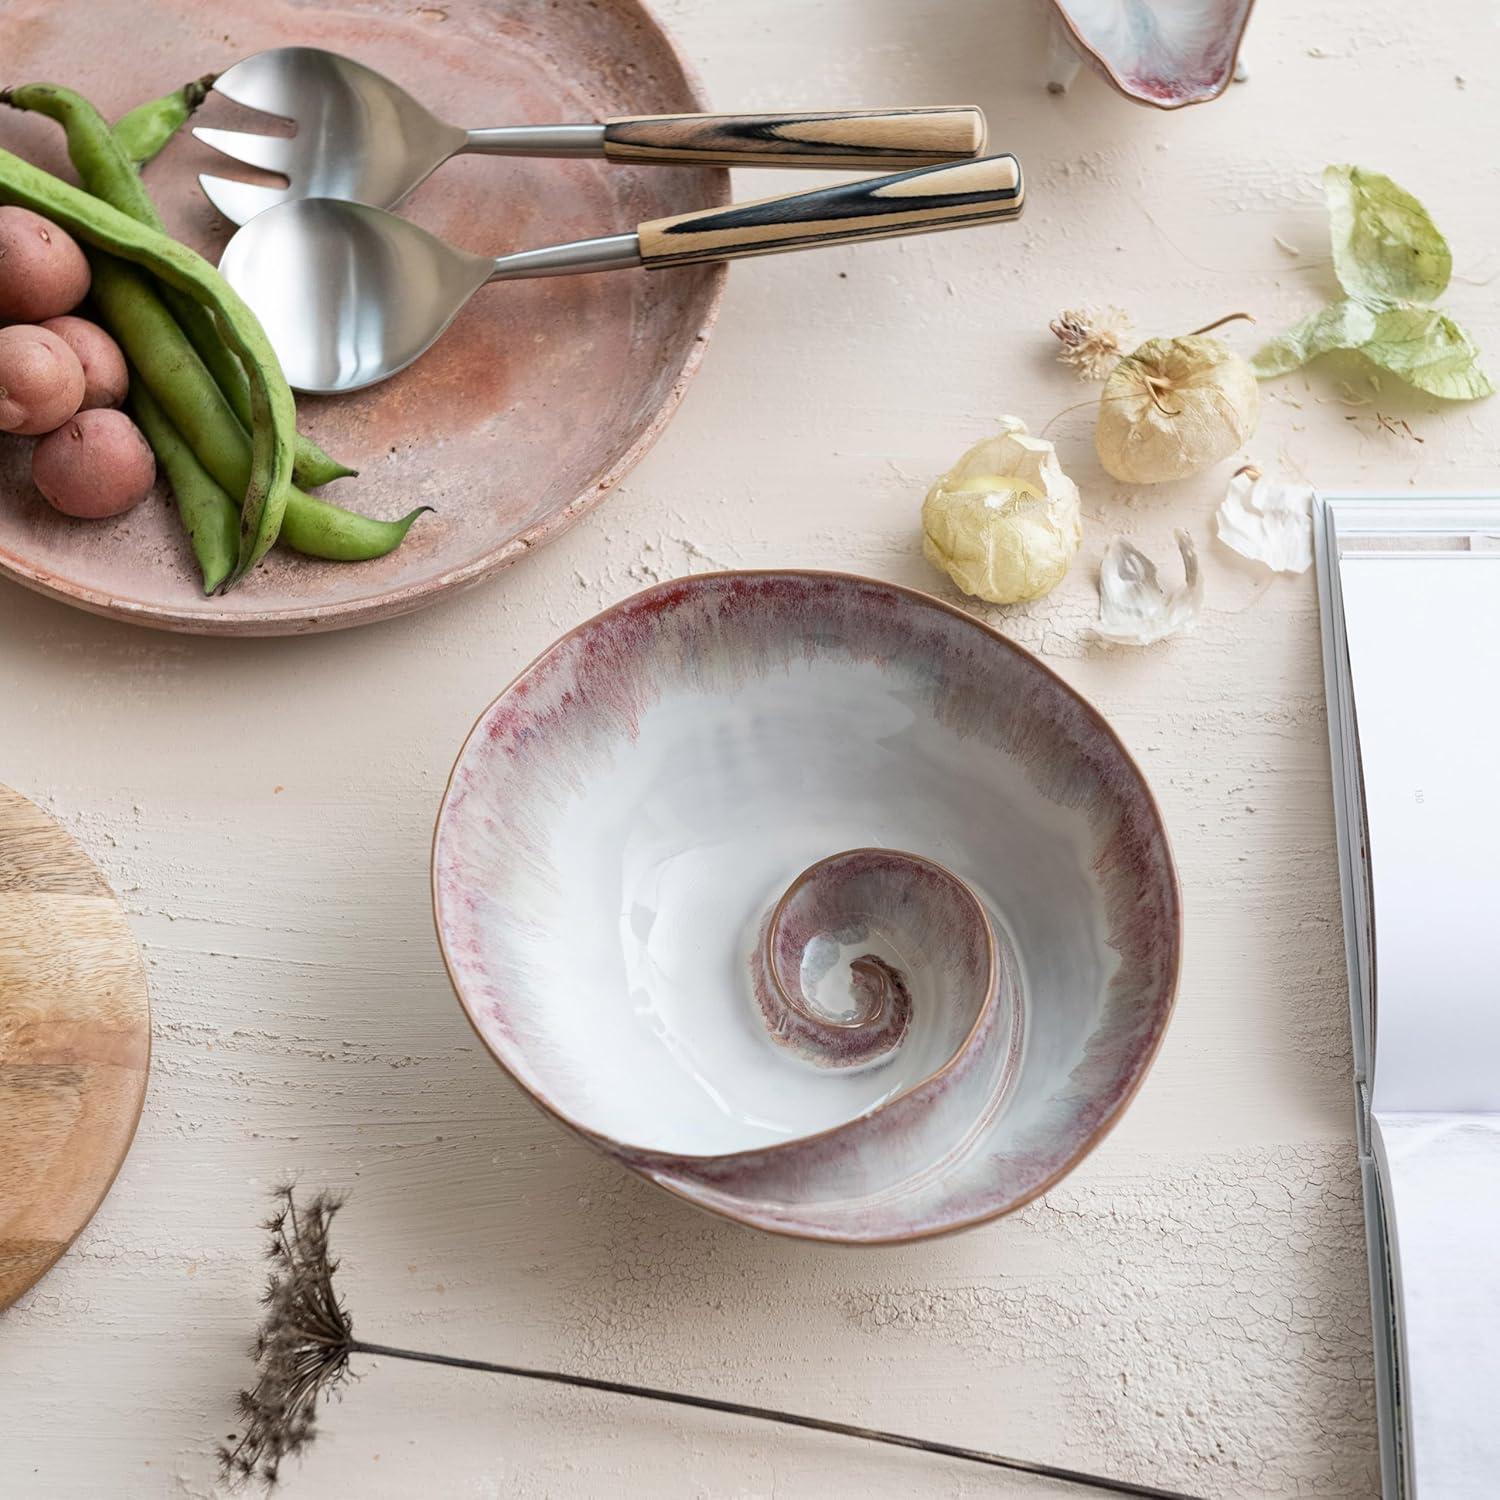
(1410, 592)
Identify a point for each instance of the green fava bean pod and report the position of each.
(145, 130)
(210, 518)
(274, 413)
(163, 360)
(105, 169)
(103, 166)
(311, 466)
(170, 368)
(317, 529)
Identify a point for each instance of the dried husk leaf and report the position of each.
(1392, 261)
(1004, 522)
(1421, 345)
(1173, 408)
(1385, 245)
(1428, 350)
(1344, 324)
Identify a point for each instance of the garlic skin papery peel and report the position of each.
(1004, 522)
(1173, 407)
(1268, 521)
(1134, 608)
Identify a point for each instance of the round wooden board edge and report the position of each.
(91, 880)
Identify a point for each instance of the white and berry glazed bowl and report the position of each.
(813, 900)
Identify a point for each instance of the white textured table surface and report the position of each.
(1188, 1307)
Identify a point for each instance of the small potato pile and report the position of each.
(62, 377)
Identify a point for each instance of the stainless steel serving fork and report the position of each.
(362, 138)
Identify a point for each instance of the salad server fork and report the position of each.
(362, 137)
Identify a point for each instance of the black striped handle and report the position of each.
(842, 138)
(976, 192)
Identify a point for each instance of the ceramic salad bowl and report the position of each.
(811, 899)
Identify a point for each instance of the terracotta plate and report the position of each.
(75, 1041)
(540, 397)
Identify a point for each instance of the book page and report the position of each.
(1442, 1189)
(1424, 654)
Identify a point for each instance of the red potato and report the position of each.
(95, 465)
(105, 378)
(43, 273)
(41, 380)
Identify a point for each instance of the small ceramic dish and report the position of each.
(1166, 53)
(813, 900)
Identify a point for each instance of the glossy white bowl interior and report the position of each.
(630, 974)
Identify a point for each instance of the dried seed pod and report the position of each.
(1004, 521)
(1173, 408)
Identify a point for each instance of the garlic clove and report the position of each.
(1268, 521)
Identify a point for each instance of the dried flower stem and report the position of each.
(304, 1342)
(784, 1418)
(1155, 385)
(1220, 322)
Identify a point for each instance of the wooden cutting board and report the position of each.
(75, 1041)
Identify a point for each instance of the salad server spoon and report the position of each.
(349, 294)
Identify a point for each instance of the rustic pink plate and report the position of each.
(537, 401)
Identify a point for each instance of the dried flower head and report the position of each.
(306, 1338)
(302, 1345)
(1093, 339)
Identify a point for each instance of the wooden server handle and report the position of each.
(855, 138)
(976, 192)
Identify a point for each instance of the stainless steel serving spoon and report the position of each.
(362, 137)
(350, 294)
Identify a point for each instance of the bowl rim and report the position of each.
(650, 1162)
